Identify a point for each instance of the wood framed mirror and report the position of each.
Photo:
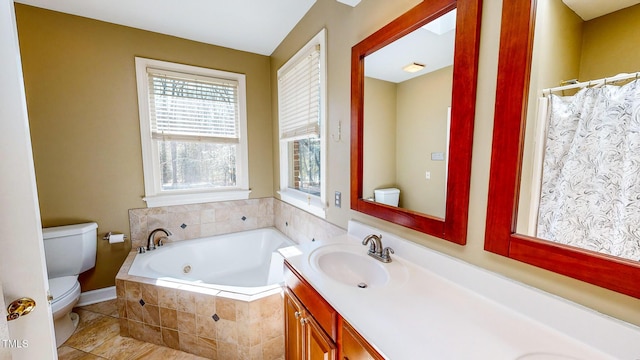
(503, 235)
(450, 222)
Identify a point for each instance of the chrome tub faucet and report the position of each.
(151, 244)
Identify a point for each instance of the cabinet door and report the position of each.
(293, 312)
(354, 347)
(317, 345)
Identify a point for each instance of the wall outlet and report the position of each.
(338, 199)
(427, 175)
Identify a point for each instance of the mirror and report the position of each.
(397, 141)
(524, 194)
(406, 117)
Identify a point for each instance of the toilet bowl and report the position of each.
(69, 251)
(66, 293)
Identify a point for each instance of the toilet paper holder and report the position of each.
(107, 236)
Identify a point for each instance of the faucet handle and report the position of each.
(386, 254)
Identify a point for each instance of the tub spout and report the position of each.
(151, 245)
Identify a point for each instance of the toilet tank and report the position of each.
(70, 249)
(388, 196)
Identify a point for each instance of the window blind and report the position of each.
(191, 107)
(299, 97)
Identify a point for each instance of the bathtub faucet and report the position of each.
(151, 245)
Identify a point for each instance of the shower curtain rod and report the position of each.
(619, 77)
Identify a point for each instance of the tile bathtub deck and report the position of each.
(98, 337)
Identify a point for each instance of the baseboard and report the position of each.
(96, 296)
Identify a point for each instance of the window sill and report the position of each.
(195, 198)
(309, 203)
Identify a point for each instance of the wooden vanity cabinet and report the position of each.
(310, 322)
(314, 330)
(354, 347)
(305, 339)
(292, 327)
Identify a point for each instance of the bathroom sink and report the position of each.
(350, 265)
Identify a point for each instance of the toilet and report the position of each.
(388, 196)
(69, 250)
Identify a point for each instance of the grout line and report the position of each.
(80, 330)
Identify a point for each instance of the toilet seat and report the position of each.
(65, 291)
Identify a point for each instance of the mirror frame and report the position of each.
(514, 67)
(465, 72)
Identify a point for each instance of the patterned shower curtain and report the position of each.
(590, 190)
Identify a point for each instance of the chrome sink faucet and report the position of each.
(376, 250)
(151, 245)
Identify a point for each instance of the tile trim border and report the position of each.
(95, 296)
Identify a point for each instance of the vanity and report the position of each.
(314, 329)
(426, 305)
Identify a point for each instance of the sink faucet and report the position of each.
(376, 250)
(150, 241)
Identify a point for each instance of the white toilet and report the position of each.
(388, 196)
(69, 250)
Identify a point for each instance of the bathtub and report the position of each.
(246, 263)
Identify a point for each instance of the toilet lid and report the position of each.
(61, 286)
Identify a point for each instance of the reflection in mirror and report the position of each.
(407, 101)
(580, 182)
(512, 162)
(400, 138)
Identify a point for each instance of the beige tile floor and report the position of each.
(98, 337)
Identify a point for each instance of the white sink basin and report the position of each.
(350, 265)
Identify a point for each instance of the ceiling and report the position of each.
(591, 9)
(256, 26)
(259, 26)
(432, 45)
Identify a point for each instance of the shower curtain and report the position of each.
(590, 189)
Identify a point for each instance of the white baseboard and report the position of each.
(96, 296)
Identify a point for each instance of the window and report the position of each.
(193, 131)
(301, 120)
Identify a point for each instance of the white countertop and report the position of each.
(431, 315)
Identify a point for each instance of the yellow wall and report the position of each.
(379, 162)
(610, 44)
(83, 112)
(404, 124)
(347, 26)
(423, 104)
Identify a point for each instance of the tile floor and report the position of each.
(98, 337)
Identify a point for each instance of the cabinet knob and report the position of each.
(303, 321)
(297, 314)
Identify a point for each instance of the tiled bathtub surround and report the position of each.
(198, 320)
(204, 321)
(201, 220)
(300, 226)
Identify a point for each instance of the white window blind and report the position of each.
(192, 107)
(299, 94)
